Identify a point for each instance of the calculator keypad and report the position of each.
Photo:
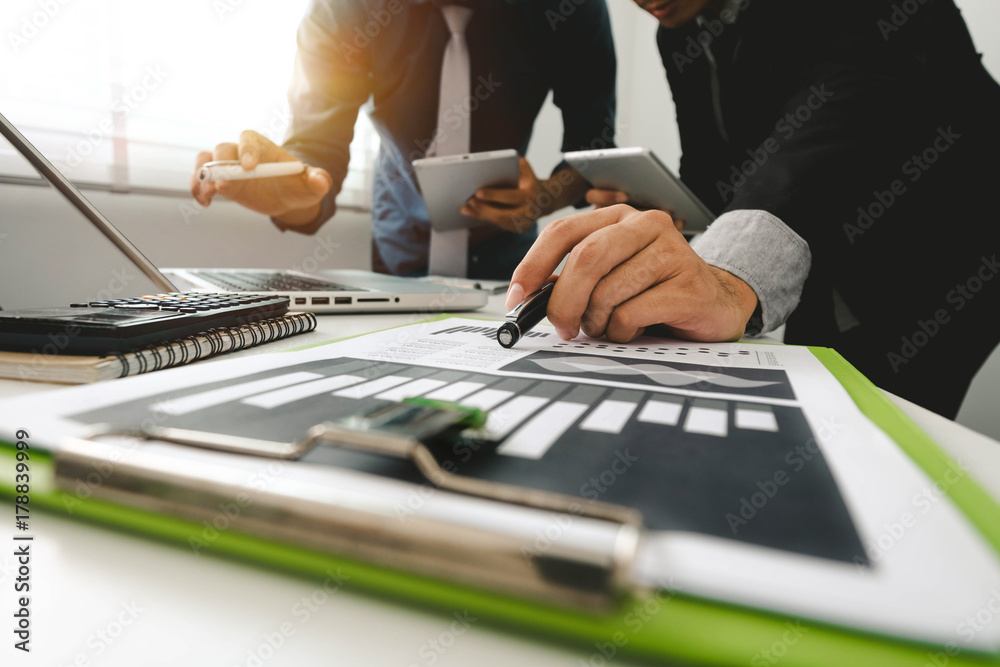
(185, 302)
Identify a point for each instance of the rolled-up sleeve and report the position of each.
(330, 83)
(763, 252)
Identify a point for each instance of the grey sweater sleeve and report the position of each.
(763, 252)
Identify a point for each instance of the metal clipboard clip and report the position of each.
(551, 547)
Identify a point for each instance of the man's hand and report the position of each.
(294, 200)
(627, 270)
(517, 209)
(604, 198)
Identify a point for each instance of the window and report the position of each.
(124, 94)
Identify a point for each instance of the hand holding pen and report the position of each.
(232, 170)
(262, 176)
(524, 316)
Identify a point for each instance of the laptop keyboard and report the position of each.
(269, 281)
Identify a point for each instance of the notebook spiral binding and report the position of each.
(212, 342)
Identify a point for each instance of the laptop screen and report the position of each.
(50, 253)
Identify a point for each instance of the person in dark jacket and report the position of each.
(850, 152)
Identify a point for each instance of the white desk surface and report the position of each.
(101, 597)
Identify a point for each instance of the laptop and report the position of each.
(336, 291)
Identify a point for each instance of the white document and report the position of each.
(884, 550)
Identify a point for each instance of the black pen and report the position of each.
(524, 316)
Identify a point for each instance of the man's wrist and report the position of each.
(311, 224)
(563, 188)
(300, 217)
(743, 298)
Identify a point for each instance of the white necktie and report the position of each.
(448, 252)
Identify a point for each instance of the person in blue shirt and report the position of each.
(388, 53)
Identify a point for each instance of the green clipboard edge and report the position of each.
(674, 627)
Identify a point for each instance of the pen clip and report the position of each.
(530, 301)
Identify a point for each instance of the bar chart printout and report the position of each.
(561, 424)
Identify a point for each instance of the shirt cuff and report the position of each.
(327, 208)
(766, 254)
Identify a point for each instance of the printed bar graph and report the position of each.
(456, 391)
(554, 433)
(708, 417)
(666, 412)
(411, 389)
(371, 388)
(505, 418)
(755, 417)
(487, 399)
(279, 397)
(208, 399)
(609, 417)
(534, 439)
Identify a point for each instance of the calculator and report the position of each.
(120, 325)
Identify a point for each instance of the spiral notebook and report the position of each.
(74, 369)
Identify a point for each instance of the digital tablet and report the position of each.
(649, 184)
(447, 183)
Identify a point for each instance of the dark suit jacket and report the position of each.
(870, 128)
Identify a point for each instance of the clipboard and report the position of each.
(597, 573)
(655, 624)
